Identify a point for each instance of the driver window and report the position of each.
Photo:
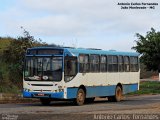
(70, 68)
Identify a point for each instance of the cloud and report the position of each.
(80, 16)
(91, 20)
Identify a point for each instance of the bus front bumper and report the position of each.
(27, 94)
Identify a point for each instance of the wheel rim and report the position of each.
(119, 94)
(80, 97)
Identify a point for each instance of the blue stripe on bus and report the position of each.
(95, 91)
(100, 91)
(27, 94)
(71, 93)
(130, 88)
(57, 95)
(92, 91)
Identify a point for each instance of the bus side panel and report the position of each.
(130, 88)
(100, 91)
(72, 93)
(93, 91)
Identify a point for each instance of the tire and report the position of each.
(45, 101)
(89, 100)
(80, 99)
(118, 95)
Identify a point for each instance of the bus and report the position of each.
(79, 74)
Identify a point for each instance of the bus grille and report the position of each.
(42, 84)
(42, 90)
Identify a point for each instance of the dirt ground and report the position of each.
(132, 107)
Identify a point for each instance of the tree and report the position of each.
(149, 48)
(14, 55)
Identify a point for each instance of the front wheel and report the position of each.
(80, 99)
(45, 101)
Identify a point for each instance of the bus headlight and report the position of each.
(61, 90)
(26, 90)
(60, 87)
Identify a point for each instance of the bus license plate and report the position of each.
(40, 94)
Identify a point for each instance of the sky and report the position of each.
(79, 23)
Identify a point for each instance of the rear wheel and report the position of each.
(45, 101)
(118, 95)
(80, 97)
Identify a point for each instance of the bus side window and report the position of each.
(109, 63)
(121, 63)
(103, 65)
(134, 64)
(115, 63)
(94, 63)
(112, 63)
(83, 63)
(126, 64)
(70, 68)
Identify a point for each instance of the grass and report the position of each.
(148, 87)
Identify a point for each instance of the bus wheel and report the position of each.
(80, 97)
(118, 94)
(45, 101)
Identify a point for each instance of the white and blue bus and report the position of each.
(79, 74)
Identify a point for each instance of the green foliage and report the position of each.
(149, 87)
(9, 89)
(149, 47)
(14, 55)
(4, 42)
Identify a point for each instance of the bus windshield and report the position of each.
(43, 68)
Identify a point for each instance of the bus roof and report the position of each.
(102, 52)
(77, 51)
